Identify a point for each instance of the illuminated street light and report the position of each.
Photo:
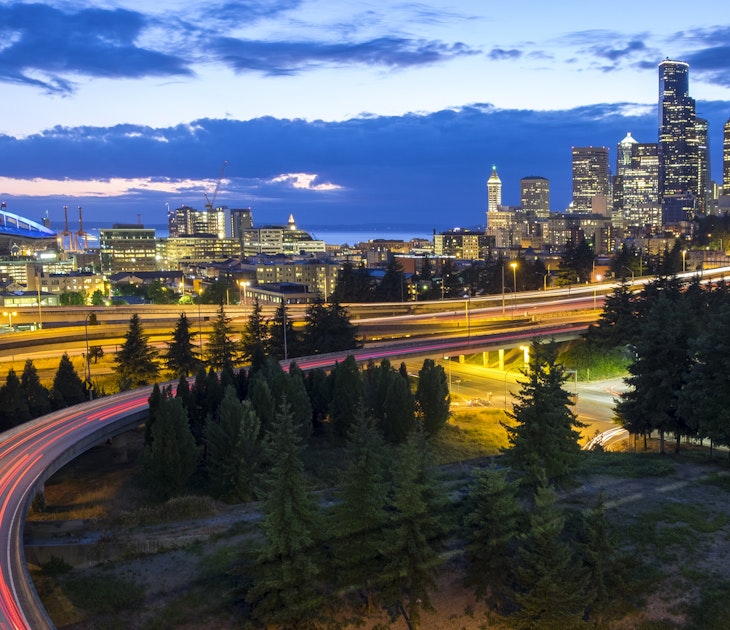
(595, 288)
(243, 284)
(89, 386)
(10, 315)
(514, 289)
(684, 260)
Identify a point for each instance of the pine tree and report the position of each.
(347, 395)
(221, 349)
(658, 373)
(400, 418)
(413, 540)
(68, 389)
(171, 458)
(255, 333)
(234, 448)
(433, 400)
(492, 525)
(136, 359)
(328, 329)
(551, 583)
(359, 520)
(259, 393)
(13, 406)
(320, 396)
(544, 440)
(285, 583)
(181, 358)
(37, 397)
(283, 342)
(705, 397)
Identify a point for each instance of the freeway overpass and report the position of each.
(31, 453)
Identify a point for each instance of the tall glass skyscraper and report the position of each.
(535, 196)
(678, 141)
(726, 159)
(591, 185)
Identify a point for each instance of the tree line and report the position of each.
(675, 333)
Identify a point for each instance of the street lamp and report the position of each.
(10, 315)
(631, 271)
(684, 260)
(243, 284)
(514, 285)
(595, 289)
(88, 358)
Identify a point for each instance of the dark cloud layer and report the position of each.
(90, 42)
(415, 169)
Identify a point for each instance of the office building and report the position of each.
(241, 219)
(704, 178)
(591, 186)
(640, 207)
(678, 140)
(462, 244)
(726, 159)
(535, 196)
(494, 191)
(127, 248)
(187, 221)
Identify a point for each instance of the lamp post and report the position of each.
(514, 287)
(595, 289)
(243, 284)
(631, 272)
(89, 386)
(684, 260)
(10, 315)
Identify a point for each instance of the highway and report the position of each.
(32, 452)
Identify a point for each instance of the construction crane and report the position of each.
(210, 203)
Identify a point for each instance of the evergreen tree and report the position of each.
(171, 458)
(392, 286)
(413, 540)
(657, 374)
(328, 329)
(37, 397)
(13, 406)
(347, 395)
(618, 323)
(359, 519)
(551, 583)
(136, 359)
(181, 358)
(285, 583)
(221, 349)
(153, 406)
(433, 399)
(353, 285)
(320, 397)
(255, 332)
(400, 416)
(68, 389)
(544, 440)
(299, 400)
(604, 569)
(262, 401)
(283, 342)
(705, 397)
(234, 448)
(492, 525)
(196, 404)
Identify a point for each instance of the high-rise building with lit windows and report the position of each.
(591, 186)
(726, 159)
(640, 208)
(704, 179)
(494, 191)
(535, 196)
(678, 139)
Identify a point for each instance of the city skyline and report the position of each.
(364, 113)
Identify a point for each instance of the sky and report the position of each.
(349, 113)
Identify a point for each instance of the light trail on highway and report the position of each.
(32, 452)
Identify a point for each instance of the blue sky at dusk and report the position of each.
(345, 113)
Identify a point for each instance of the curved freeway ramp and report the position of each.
(32, 452)
(29, 455)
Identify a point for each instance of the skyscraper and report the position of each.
(591, 185)
(726, 159)
(494, 191)
(704, 179)
(623, 164)
(640, 209)
(679, 182)
(535, 196)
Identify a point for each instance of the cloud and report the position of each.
(44, 46)
(304, 181)
(500, 54)
(286, 58)
(426, 169)
(711, 64)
